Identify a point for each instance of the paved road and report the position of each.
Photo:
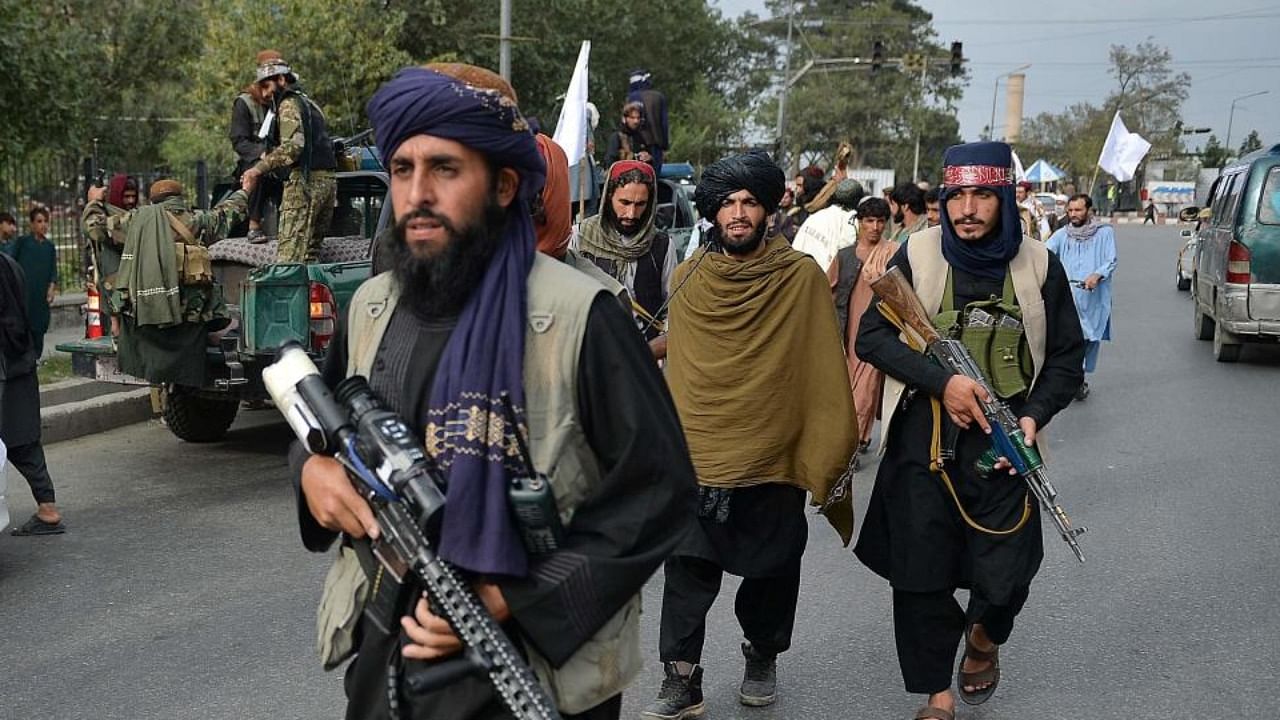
(181, 590)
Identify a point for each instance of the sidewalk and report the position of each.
(78, 406)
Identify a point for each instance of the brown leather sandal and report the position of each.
(989, 675)
(929, 712)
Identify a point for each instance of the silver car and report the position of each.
(1186, 260)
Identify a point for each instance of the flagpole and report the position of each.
(584, 167)
(1093, 180)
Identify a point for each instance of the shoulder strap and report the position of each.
(183, 231)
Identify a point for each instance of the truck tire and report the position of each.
(198, 416)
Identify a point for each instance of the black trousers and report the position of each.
(268, 188)
(929, 628)
(29, 460)
(766, 608)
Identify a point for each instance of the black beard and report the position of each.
(899, 217)
(439, 285)
(743, 247)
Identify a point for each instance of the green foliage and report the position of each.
(341, 52)
(878, 112)
(1251, 143)
(702, 62)
(45, 88)
(154, 82)
(1214, 155)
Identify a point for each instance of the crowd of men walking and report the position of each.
(684, 412)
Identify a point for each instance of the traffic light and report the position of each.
(957, 58)
(877, 56)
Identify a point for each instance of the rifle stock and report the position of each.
(897, 295)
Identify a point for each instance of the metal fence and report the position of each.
(58, 184)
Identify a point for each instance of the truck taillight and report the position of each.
(324, 314)
(1238, 269)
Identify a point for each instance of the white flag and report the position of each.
(1122, 151)
(1019, 173)
(572, 127)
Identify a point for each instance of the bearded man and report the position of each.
(931, 527)
(624, 241)
(1087, 249)
(553, 219)
(756, 300)
(908, 212)
(470, 318)
(851, 274)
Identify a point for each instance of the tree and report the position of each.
(340, 51)
(701, 61)
(879, 112)
(1251, 143)
(1214, 155)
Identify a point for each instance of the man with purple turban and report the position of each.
(469, 319)
(930, 532)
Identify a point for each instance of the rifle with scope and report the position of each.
(404, 487)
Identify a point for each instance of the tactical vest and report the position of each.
(256, 111)
(318, 153)
(929, 272)
(558, 305)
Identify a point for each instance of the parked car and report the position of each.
(675, 213)
(1235, 283)
(1186, 260)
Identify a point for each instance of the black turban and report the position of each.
(753, 172)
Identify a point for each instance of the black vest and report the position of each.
(849, 266)
(318, 154)
(648, 283)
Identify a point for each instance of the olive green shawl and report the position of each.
(758, 373)
(148, 273)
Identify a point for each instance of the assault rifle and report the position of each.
(403, 486)
(899, 303)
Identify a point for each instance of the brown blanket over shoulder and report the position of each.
(758, 374)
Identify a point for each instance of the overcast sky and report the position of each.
(1229, 47)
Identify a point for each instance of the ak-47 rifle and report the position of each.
(899, 303)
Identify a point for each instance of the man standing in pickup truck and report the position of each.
(252, 138)
(166, 304)
(305, 148)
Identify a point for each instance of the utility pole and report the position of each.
(504, 40)
(786, 87)
(915, 164)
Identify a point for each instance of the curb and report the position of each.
(75, 390)
(70, 420)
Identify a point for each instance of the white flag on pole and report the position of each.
(572, 127)
(1122, 151)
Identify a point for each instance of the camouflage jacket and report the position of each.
(293, 138)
